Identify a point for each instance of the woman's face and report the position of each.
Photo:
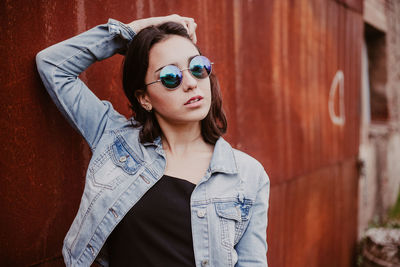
(172, 105)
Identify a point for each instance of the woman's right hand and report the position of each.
(187, 22)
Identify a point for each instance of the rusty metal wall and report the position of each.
(276, 61)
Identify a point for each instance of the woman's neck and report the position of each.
(179, 139)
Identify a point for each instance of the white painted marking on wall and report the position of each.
(338, 81)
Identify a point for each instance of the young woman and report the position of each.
(162, 188)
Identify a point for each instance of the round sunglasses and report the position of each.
(171, 76)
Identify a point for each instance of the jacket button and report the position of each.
(201, 213)
(204, 263)
(122, 159)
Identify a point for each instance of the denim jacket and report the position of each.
(228, 206)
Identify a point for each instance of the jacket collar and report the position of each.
(156, 142)
(222, 160)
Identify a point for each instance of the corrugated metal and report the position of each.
(312, 221)
(276, 61)
(288, 68)
(356, 5)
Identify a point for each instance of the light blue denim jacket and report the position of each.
(228, 206)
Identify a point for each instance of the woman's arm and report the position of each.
(60, 65)
(252, 247)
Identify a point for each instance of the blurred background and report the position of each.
(311, 89)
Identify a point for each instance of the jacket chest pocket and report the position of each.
(114, 166)
(233, 217)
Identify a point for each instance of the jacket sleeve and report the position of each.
(252, 247)
(60, 65)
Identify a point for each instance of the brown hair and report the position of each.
(135, 67)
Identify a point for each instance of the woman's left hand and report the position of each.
(189, 24)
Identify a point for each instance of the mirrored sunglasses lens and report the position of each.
(171, 77)
(200, 67)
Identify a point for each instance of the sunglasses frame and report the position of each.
(181, 70)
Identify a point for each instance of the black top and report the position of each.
(157, 230)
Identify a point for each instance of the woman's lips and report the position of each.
(194, 100)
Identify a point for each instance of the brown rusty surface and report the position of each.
(275, 61)
(285, 86)
(312, 219)
(356, 5)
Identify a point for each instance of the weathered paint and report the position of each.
(275, 60)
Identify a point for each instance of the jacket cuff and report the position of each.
(123, 30)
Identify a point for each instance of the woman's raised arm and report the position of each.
(59, 66)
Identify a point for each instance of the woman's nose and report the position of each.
(188, 81)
